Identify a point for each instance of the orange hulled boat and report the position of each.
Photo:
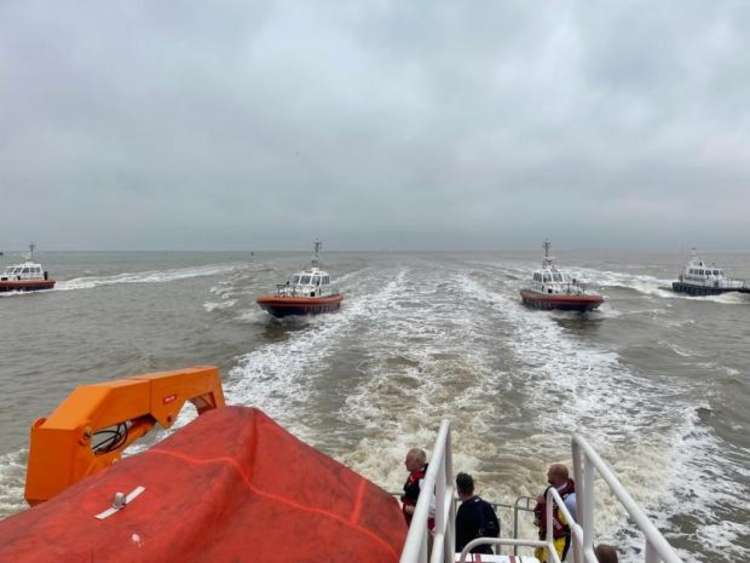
(554, 289)
(308, 292)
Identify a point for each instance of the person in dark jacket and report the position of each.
(475, 517)
(416, 465)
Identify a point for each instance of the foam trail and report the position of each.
(146, 277)
(278, 377)
(590, 391)
(426, 359)
(12, 481)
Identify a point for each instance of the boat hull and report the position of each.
(25, 285)
(700, 290)
(561, 302)
(282, 306)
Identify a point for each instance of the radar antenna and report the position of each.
(30, 255)
(316, 255)
(547, 261)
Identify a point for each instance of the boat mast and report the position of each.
(547, 261)
(316, 255)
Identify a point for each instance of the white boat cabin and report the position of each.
(308, 283)
(26, 271)
(698, 273)
(550, 280)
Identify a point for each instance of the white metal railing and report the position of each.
(440, 479)
(587, 465)
(551, 553)
(548, 543)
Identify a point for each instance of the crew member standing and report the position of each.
(475, 517)
(416, 465)
(557, 476)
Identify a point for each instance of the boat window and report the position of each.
(546, 277)
(326, 280)
(295, 280)
(716, 272)
(316, 280)
(700, 272)
(558, 277)
(25, 271)
(305, 280)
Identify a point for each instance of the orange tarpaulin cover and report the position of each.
(231, 486)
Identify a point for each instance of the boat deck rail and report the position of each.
(283, 290)
(587, 467)
(520, 505)
(572, 287)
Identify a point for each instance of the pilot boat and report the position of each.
(233, 485)
(698, 278)
(554, 289)
(27, 276)
(308, 292)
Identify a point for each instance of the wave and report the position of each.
(590, 390)
(210, 306)
(428, 356)
(279, 377)
(146, 277)
(12, 481)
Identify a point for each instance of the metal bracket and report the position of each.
(120, 501)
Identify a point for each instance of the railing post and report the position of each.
(450, 532)
(651, 555)
(549, 508)
(439, 495)
(589, 474)
(416, 544)
(515, 524)
(580, 494)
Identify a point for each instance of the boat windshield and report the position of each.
(305, 280)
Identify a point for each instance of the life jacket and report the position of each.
(411, 490)
(560, 528)
(411, 487)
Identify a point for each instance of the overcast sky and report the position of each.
(374, 125)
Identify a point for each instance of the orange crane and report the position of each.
(89, 431)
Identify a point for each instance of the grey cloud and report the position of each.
(373, 125)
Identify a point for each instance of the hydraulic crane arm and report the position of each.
(90, 429)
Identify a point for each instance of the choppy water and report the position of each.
(658, 382)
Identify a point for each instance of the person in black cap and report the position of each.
(475, 517)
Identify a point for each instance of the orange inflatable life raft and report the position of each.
(231, 486)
